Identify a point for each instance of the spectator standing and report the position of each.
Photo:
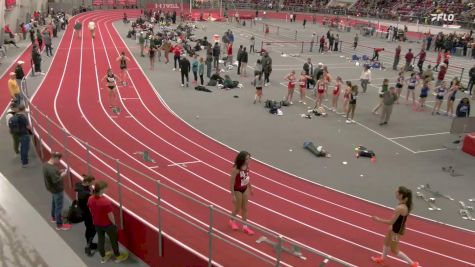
(365, 78)
(355, 42)
(446, 58)
(16, 139)
(54, 182)
(176, 57)
(209, 60)
(322, 45)
(308, 68)
(422, 58)
(32, 34)
(39, 38)
(229, 53)
(142, 43)
(36, 57)
(216, 54)
(185, 69)
(252, 43)
(336, 42)
(429, 42)
(83, 191)
(409, 56)
(104, 221)
(330, 42)
(266, 68)
(194, 69)
(304, 23)
(244, 60)
(441, 74)
(201, 70)
(382, 91)
(350, 114)
(239, 59)
(48, 43)
(389, 97)
(471, 75)
(14, 89)
(397, 56)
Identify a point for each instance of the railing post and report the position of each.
(262, 45)
(278, 250)
(278, 29)
(88, 159)
(295, 38)
(40, 147)
(302, 47)
(48, 129)
(461, 74)
(160, 251)
(119, 184)
(341, 46)
(210, 237)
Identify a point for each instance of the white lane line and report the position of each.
(183, 163)
(418, 135)
(430, 150)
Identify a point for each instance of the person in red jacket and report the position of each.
(422, 58)
(176, 55)
(322, 45)
(229, 53)
(446, 58)
(376, 53)
(441, 74)
(409, 56)
(439, 59)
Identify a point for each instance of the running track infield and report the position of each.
(312, 215)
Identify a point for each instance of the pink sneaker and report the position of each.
(64, 227)
(247, 230)
(233, 225)
(378, 260)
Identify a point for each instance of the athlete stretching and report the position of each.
(397, 226)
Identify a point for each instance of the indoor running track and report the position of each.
(317, 217)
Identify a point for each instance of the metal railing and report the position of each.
(182, 214)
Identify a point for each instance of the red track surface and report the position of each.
(318, 217)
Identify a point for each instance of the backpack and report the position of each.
(14, 124)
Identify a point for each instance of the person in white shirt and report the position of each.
(365, 78)
(92, 28)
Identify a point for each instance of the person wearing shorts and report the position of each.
(303, 86)
(397, 225)
(151, 55)
(122, 59)
(258, 82)
(110, 78)
(384, 89)
(92, 28)
(350, 113)
(336, 93)
(290, 86)
(454, 87)
(321, 91)
(346, 96)
(423, 96)
(241, 188)
(399, 85)
(412, 83)
(440, 92)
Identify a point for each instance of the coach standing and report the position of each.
(389, 97)
(185, 67)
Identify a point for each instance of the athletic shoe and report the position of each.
(353, 121)
(106, 257)
(233, 225)
(348, 121)
(247, 230)
(182, 85)
(64, 227)
(415, 264)
(291, 103)
(122, 257)
(174, 69)
(378, 260)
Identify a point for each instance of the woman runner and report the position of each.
(336, 93)
(110, 79)
(399, 84)
(440, 92)
(454, 87)
(240, 186)
(303, 86)
(258, 83)
(321, 91)
(396, 229)
(350, 113)
(122, 59)
(151, 55)
(290, 86)
(423, 96)
(411, 87)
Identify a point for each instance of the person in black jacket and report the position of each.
(216, 54)
(239, 55)
(19, 73)
(83, 192)
(185, 67)
(36, 58)
(463, 108)
(471, 75)
(244, 60)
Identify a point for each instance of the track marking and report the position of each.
(418, 135)
(184, 163)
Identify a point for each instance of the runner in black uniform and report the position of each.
(111, 79)
(397, 226)
(123, 67)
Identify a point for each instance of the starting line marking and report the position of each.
(183, 163)
(418, 135)
(130, 98)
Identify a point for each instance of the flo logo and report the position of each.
(442, 16)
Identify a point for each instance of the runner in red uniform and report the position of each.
(303, 86)
(240, 186)
(321, 90)
(336, 93)
(291, 86)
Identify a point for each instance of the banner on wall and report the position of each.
(163, 6)
(132, 2)
(96, 2)
(10, 4)
(108, 2)
(121, 2)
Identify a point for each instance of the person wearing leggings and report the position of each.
(350, 114)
